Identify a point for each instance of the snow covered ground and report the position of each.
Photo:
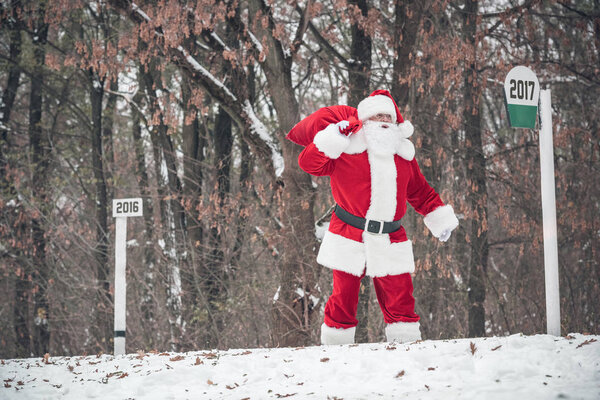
(513, 367)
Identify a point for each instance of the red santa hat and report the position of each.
(382, 102)
(379, 102)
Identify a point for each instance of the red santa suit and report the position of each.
(373, 174)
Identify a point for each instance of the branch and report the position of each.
(507, 13)
(330, 49)
(302, 25)
(240, 110)
(259, 129)
(579, 12)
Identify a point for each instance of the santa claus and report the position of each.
(373, 174)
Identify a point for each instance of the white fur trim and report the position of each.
(331, 142)
(331, 335)
(377, 253)
(403, 332)
(406, 149)
(339, 252)
(406, 128)
(373, 105)
(384, 187)
(386, 258)
(441, 219)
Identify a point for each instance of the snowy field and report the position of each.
(513, 367)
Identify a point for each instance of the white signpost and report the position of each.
(122, 209)
(521, 92)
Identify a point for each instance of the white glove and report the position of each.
(445, 235)
(343, 125)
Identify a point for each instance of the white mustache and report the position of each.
(371, 126)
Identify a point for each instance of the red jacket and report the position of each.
(369, 186)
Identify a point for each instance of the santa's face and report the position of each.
(381, 117)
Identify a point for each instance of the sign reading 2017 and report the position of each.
(522, 90)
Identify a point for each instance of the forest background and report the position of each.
(187, 103)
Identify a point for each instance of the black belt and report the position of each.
(368, 225)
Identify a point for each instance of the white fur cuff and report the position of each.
(403, 332)
(331, 335)
(331, 142)
(441, 219)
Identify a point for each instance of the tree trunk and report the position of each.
(108, 120)
(360, 54)
(408, 16)
(103, 321)
(213, 273)
(13, 229)
(148, 306)
(193, 150)
(293, 312)
(171, 210)
(244, 180)
(476, 176)
(39, 149)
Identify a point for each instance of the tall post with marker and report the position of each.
(521, 94)
(549, 215)
(122, 209)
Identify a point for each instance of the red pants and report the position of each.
(394, 293)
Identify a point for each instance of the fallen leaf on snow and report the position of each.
(473, 348)
(177, 358)
(400, 374)
(324, 359)
(496, 348)
(587, 342)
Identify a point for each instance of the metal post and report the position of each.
(549, 215)
(120, 284)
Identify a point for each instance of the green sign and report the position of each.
(521, 95)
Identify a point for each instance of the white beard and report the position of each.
(382, 141)
(382, 138)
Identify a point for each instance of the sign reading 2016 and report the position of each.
(521, 92)
(127, 207)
